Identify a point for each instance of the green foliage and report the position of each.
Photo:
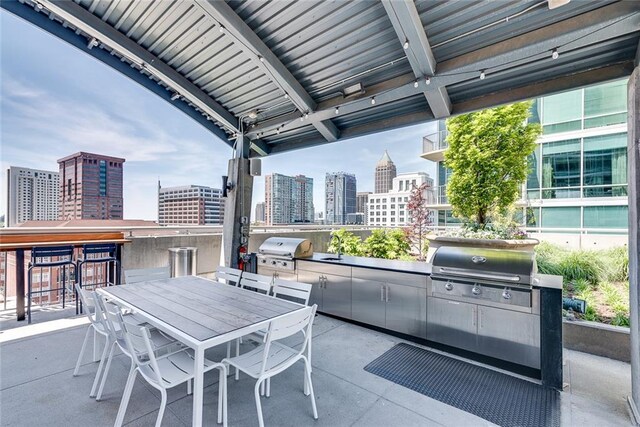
(598, 277)
(351, 244)
(382, 243)
(388, 244)
(488, 153)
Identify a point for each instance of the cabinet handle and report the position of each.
(480, 318)
(382, 293)
(387, 292)
(473, 317)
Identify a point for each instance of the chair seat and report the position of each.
(176, 368)
(251, 362)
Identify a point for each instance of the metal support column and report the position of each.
(633, 122)
(237, 209)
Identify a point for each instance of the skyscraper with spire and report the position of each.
(385, 172)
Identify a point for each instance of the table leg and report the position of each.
(19, 284)
(198, 387)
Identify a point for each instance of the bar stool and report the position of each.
(42, 257)
(96, 253)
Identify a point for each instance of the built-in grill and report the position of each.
(484, 300)
(277, 254)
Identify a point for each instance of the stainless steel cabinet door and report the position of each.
(336, 295)
(367, 302)
(286, 275)
(312, 278)
(406, 309)
(509, 335)
(452, 323)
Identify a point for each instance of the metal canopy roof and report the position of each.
(276, 71)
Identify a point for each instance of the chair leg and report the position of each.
(29, 285)
(189, 387)
(102, 360)
(237, 354)
(126, 396)
(263, 388)
(307, 371)
(95, 346)
(106, 371)
(84, 346)
(163, 405)
(268, 387)
(222, 396)
(256, 392)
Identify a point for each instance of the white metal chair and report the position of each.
(273, 357)
(98, 326)
(161, 343)
(146, 274)
(162, 372)
(292, 290)
(258, 282)
(228, 275)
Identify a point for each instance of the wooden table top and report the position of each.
(200, 308)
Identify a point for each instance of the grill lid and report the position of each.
(286, 247)
(485, 264)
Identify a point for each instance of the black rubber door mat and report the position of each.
(494, 396)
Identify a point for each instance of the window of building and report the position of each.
(561, 169)
(562, 112)
(606, 217)
(560, 217)
(605, 104)
(605, 165)
(533, 180)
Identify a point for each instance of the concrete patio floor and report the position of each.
(37, 386)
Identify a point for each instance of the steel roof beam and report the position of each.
(260, 147)
(270, 63)
(90, 24)
(559, 84)
(581, 30)
(408, 26)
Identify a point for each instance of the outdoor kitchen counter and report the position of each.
(412, 267)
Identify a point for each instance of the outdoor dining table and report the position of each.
(200, 313)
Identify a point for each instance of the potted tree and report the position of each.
(487, 155)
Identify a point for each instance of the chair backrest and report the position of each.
(228, 275)
(146, 274)
(41, 256)
(99, 250)
(88, 299)
(290, 289)
(256, 281)
(131, 335)
(285, 326)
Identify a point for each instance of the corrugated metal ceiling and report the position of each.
(327, 45)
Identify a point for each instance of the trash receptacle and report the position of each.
(182, 261)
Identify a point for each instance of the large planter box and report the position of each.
(437, 241)
(597, 338)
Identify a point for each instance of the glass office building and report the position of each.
(578, 177)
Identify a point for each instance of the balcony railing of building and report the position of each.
(435, 141)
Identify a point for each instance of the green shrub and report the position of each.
(616, 263)
(351, 244)
(584, 265)
(621, 319)
(388, 244)
(548, 258)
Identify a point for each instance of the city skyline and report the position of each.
(48, 113)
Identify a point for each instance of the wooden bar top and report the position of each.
(9, 242)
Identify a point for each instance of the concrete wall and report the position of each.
(153, 251)
(583, 241)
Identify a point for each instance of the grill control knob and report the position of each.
(273, 263)
(448, 286)
(476, 290)
(264, 261)
(284, 264)
(506, 294)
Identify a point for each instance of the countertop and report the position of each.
(413, 267)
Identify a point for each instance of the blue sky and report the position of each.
(55, 101)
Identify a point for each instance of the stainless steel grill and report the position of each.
(279, 253)
(483, 300)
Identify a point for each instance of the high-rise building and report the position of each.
(32, 195)
(90, 187)
(578, 179)
(340, 197)
(259, 212)
(190, 205)
(390, 209)
(362, 203)
(385, 172)
(288, 199)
